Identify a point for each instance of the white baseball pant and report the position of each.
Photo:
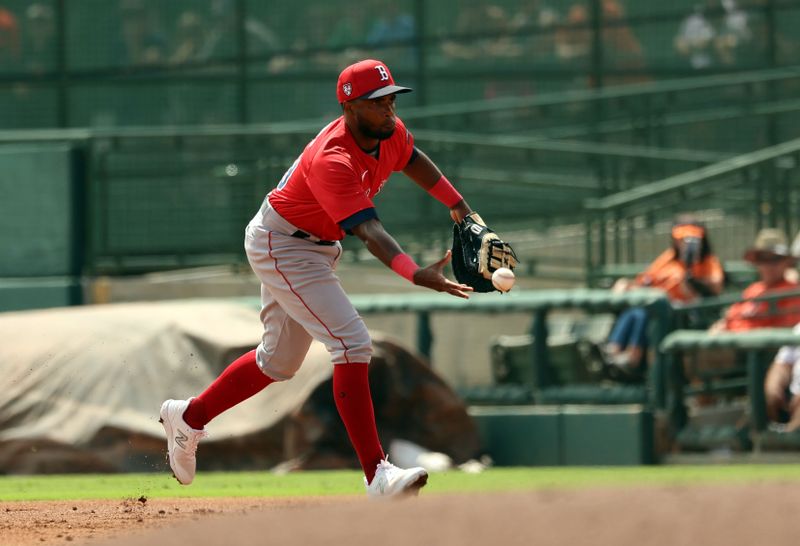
(301, 298)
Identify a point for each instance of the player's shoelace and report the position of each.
(388, 469)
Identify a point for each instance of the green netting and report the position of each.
(149, 62)
(36, 228)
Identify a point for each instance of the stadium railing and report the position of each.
(540, 303)
(752, 352)
(760, 184)
(223, 170)
(143, 184)
(640, 112)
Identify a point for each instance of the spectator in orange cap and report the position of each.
(686, 271)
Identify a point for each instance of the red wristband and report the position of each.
(404, 265)
(445, 193)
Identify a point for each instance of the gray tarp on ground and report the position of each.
(80, 390)
(67, 373)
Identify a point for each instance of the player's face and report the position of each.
(376, 117)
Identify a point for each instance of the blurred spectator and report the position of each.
(535, 23)
(39, 39)
(9, 39)
(311, 42)
(482, 33)
(349, 36)
(716, 33)
(734, 35)
(350, 29)
(190, 38)
(782, 388)
(573, 41)
(222, 38)
(695, 39)
(391, 26)
(393, 31)
(771, 256)
(621, 49)
(143, 42)
(686, 271)
(534, 14)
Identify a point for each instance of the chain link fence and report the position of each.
(101, 63)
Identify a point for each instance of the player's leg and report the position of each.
(300, 276)
(313, 297)
(256, 369)
(637, 341)
(620, 332)
(184, 420)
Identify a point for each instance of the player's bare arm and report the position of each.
(383, 246)
(424, 172)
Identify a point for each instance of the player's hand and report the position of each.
(433, 278)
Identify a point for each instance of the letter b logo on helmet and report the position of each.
(383, 72)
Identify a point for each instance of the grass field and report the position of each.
(317, 483)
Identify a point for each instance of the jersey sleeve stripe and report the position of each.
(358, 218)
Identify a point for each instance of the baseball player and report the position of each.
(293, 246)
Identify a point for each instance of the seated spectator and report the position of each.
(782, 388)
(686, 271)
(535, 24)
(142, 42)
(717, 33)
(573, 41)
(621, 47)
(734, 35)
(622, 51)
(392, 26)
(482, 32)
(350, 30)
(189, 38)
(695, 39)
(222, 33)
(770, 254)
(772, 258)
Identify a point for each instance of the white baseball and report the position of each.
(503, 279)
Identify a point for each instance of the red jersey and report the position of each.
(747, 315)
(334, 179)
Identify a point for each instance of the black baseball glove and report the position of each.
(478, 252)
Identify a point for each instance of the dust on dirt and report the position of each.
(729, 515)
(45, 523)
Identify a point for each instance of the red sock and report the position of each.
(241, 380)
(354, 402)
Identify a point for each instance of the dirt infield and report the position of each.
(709, 515)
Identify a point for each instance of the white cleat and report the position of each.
(391, 481)
(181, 440)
